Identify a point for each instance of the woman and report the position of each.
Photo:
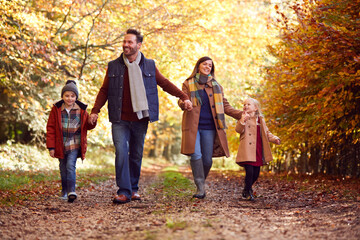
(203, 128)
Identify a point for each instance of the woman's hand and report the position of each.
(188, 105)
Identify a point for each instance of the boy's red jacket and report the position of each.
(54, 135)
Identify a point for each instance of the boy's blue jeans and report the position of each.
(128, 138)
(68, 171)
(204, 145)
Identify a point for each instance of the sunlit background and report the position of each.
(300, 59)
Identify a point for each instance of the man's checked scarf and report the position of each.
(218, 98)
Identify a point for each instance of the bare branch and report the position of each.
(88, 38)
(82, 18)
(66, 16)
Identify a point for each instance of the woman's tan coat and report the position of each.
(190, 122)
(247, 147)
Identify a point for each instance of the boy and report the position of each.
(66, 136)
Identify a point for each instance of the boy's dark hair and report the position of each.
(139, 37)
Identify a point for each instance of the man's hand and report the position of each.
(188, 105)
(93, 118)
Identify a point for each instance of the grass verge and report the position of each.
(30, 173)
(175, 185)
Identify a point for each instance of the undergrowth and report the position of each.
(28, 172)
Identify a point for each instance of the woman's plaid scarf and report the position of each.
(218, 98)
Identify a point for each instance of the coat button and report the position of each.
(210, 95)
(249, 134)
(250, 143)
(212, 106)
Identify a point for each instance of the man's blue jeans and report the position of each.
(204, 145)
(68, 171)
(128, 138)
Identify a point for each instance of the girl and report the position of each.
(254, 148)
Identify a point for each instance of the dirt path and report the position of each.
(278, 213)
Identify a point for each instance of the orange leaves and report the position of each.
(302, 47)
(317, 76)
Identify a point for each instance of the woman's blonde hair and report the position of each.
(257, 105)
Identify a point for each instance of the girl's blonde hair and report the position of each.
(257, 105)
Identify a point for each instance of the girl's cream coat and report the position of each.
(247, 147)
(190, 122)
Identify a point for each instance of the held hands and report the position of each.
(52, 153)
(244, 117)
(188, 105)
(93, 118)
(277, 141)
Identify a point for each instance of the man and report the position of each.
(130, 87)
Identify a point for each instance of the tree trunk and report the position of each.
(322, 160)
(152, 151)
(15, 132)
(166, 152)
(314, 160)
(355, 160)
(302, 164)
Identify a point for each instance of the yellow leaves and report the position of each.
(343, 73)
(14, 105)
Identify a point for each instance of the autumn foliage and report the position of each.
(313, 89)
(309, 87)
(45, 43)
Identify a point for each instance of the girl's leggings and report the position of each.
(252, 174)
